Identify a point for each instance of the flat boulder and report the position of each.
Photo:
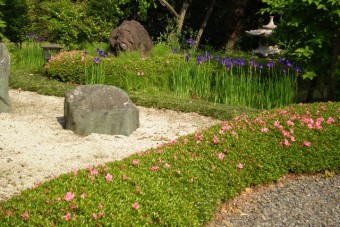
(100, 109)
(5, 63)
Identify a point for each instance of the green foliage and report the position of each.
(308, 31)
(183, 182)
(15, 15)
(2, 22)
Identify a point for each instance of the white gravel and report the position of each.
(34, 147)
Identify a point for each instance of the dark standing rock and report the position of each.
(5, 101)
(100, 109)
(130, 36)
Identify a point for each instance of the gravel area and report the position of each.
(292, 201)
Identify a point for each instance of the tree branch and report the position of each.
(167, 5)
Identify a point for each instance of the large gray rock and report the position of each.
(130, 36)
(5, 62)
(100, 109)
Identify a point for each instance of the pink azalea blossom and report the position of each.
(135, 162)
(94, 215)
(166, 165)
(94, 172)
(290, 123)
(330, 120)
(307, 143)
(67, 216)
(37, 183)
(233, 133)
(292, 138)
(221, 132)
(226, 127)
(155, 168)
(100, 206)
(75, 172)
(69, 196)
(108, 177)
(25, 216)
(286, 142)
(136, 205)
(216, 140)
(221, 156)
(264, 130)
(240, 165)
(73, 206)
(277, 123)
(186, 140)
(84, 195)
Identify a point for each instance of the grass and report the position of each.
(181, 183)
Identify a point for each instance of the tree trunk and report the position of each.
(179, 16)
(204, 23)
(180, 19)
(239, 8)
(334, 63)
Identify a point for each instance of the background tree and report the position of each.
(16, 17)
(2, 22)
(309, 31)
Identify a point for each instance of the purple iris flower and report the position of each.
(96, 60)
(227, 62)
(188, 57)
(288, 63)
(191, 42)
(298, 69)
(199, 60)
(284, 71)
(174, 51)
(31, 35)
(218, 58)
(252, 63)
(259, 66)
(270, 64)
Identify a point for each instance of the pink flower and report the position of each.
(290, 123)
(166, 165)
(277, 123)
(108, 177)
(226, 127)
(73, 206)
(307, 143)
(240, 165)
(69, 196)
(75, 172)
(37, 183)
(221, 156)
(135, 162)
(233, 133)
(330, 120)
(221, 132)
(286, 142)
(67, 216)
(292, 138)
(94, 215)
(136, 205)
(155, 168)
(216, 140)
(100, 206)
(94, 172)
(264, 130)
(186, 140)
(25, 216)
(83, 195)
